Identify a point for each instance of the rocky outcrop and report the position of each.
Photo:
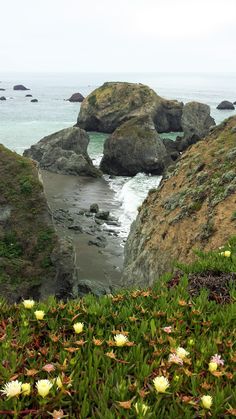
(34, 100)
(76, 97)
(20, 87)
(226, 105)
(134, 147)
(196, 121)
(31, 256)
(3, 98)
(114, 103)
(28, 95)
(64, 152)
(194, 207)
(2, 90)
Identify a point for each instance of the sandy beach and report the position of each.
(69, 197)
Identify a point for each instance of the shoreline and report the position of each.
(99, 252)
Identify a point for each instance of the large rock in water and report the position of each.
(64, 152)
(226, 105)
(193, 207)
(114, 103)
(134, 147)
(34, 263)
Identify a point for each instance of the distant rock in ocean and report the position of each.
(76, 97)
(34, 100)
(28, 95)
(20, 87)
(2, 90)
(226, 105)
(3, 98)
(64, 152)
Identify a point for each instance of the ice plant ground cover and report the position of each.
(89, 375)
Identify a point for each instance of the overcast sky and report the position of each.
(118, 35)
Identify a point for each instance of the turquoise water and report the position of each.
(23, 123)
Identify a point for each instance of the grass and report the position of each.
(102, 380)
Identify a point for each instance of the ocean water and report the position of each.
(23, 123)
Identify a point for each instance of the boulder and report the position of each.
(20, 87)
(196, 121)
(34, 100)
(96, 288)
(3, 98)
(64, 152)
(2, 90)
(76, 97)
(134, 147)
(114, 103)
(28, 95)
(94, 208)
(226, 105)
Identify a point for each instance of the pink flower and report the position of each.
(175, 359)
(48, 368)
(217, 359)
(167, 329)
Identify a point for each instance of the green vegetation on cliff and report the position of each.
(100, 357)
(26, 233)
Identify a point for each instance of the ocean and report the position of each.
(23, 123)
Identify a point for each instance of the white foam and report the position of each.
(131, 192)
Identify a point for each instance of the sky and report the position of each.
(118, 36)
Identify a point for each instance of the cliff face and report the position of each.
(194, 208)
(29, 249)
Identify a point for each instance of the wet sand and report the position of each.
(73, 194)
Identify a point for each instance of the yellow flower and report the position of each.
(12, 389)
(78, 327)
(39, 314)
(181, 352)
(120, 340)
(212, 366)
(206, 401)
(26, 388)
(58, 382)
(141, 408)
(227, 253)
(28, 303)
(161, 384)
(43, 387)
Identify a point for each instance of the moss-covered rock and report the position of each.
(192, 208)
(114, 103)
(27, 236)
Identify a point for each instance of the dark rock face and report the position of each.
(171, 148)
(134, 147)
(20, 87)
(64, 152)
(3, 98)
(34, 100)
(76, 97)
(196, 121)
(114, 103)
(226, 105)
